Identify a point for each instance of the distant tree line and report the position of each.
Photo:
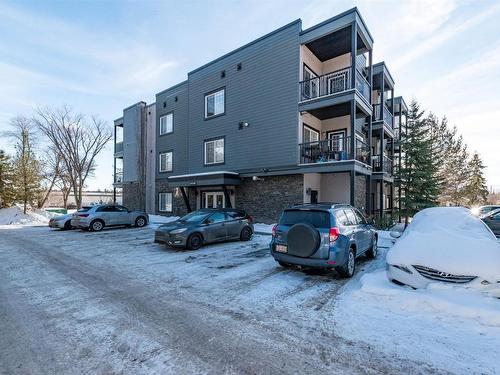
(436, 167)
(55, 148)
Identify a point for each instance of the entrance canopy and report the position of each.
(218, 178)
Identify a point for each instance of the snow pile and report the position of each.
(449, 239)
(263, 228)
(15, 215)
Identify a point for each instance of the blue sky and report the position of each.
(101, 56)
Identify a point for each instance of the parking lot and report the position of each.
(115, 302)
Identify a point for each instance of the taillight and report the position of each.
(83, 215)
(250, 219)
(274, 231)
(334, 234)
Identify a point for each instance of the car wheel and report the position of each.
(246, 234)
(96, 225)
(348, 268)
(67, 225)
(140, 221)
(372, 252)
(194, 242)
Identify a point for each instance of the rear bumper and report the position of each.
(335, 259)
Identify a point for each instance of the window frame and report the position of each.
(168, 193)
(206, 96)
(310, 129)
(171, 152)
(205, 142)
(171, 113)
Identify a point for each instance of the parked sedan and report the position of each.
(484, 210)
(446, 245)
(95, 218)
(492, 220)
(61, 222)
(206, 226)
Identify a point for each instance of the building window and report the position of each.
(214, 151)
(165, 202)
(167, 123)
(215, 103)
(165, 164)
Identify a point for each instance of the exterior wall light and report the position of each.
(243, 125)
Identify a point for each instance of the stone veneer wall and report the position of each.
(178, 205)
(360, 193)
(132, 197)
(265, 199)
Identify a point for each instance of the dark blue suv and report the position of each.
(323, 235)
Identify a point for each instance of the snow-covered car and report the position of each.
(447, 245)
(61, 222)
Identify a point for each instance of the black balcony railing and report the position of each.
(386, 167)
(338, 149)
(387, 115)
(362, 85)
(327, 84)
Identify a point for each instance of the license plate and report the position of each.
(281, 248)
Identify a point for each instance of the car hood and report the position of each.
(173, 225)
(449, 239)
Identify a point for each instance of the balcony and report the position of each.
(118, 147)
(386, 167)
(330, 150)
(118, 176)
(333, 83)
(387, 115)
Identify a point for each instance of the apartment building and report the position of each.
(296, 116)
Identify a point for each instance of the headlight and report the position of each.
(177, 231)
(402, 268)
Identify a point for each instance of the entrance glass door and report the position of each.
(214, 200)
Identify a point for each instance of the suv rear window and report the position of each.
(318, 219)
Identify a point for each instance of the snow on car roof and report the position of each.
(449, 239)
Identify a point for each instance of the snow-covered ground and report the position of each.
(451, 328)
(252, 311)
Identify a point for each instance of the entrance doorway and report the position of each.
(214, 199)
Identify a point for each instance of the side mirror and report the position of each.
(208, 221)
(395, 234)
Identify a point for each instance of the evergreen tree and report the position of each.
(419, 170)
(27, 168)
(455, 169)
(476, 191)
(7, 194)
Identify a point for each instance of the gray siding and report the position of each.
(264, 94)
(178, 140)
(132, 136)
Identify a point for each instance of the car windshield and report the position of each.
(84, 209)
(318, 219)
(195, 216)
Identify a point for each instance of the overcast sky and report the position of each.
(101, 56)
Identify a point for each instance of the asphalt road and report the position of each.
(116, 303)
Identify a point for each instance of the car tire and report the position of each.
(96, 225)
(373, 251)
(194, 242)
(67, 225)
(140, 222)
(246, 234)
(349, 267)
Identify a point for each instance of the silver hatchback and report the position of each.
(95, 218)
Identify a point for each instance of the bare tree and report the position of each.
(52, 165)
(77, 140)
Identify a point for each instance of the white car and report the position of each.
(446, 245)
(61, 222)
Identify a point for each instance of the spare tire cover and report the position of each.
(302, 240)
